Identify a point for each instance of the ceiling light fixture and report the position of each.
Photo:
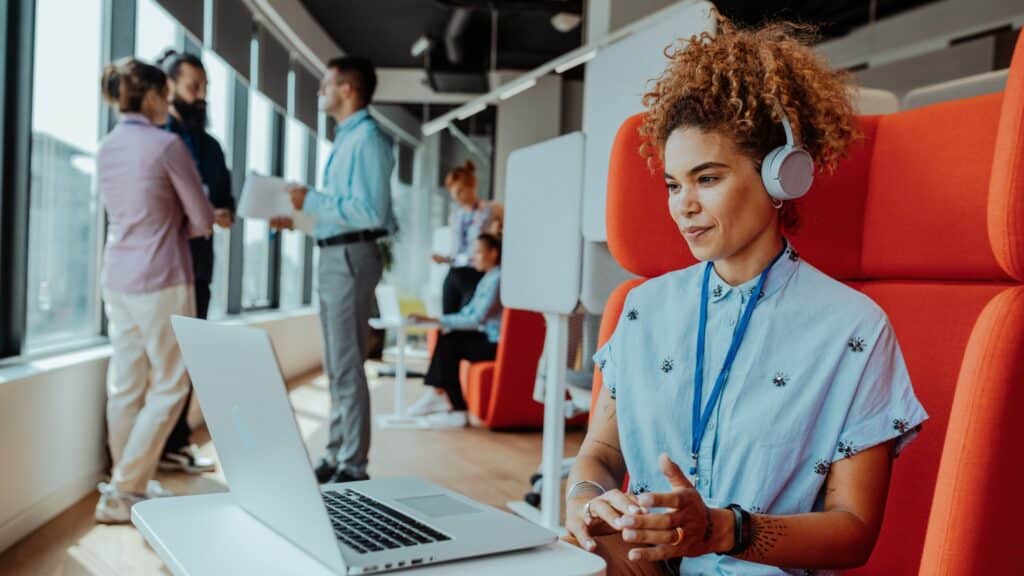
(420, 46)
(518, 89)
(433, 127)
(472, 110)
(565, 22)
(581, 59)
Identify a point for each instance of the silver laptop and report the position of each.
(352, 528)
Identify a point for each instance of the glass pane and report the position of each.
(62, 300)
(256, 266)
(293, 243)
(219, 93)
(155, 31)
(323, 152)
(219, 89)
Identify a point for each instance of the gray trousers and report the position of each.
(348, 275)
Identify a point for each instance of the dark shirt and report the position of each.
(213, 170)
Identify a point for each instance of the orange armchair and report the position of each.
(926, 216)
(500, 393)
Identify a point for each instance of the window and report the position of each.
(293, 246)
(256, 256)
(219, 93)
(323, 152)
(64, 212)
(155, 31)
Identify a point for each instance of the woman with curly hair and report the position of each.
(781, 393)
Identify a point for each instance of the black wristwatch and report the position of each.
(742, 530)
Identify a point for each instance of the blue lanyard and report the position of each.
(699, 421)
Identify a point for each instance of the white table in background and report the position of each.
(210, 535)
(399, 418)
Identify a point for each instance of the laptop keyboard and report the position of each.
(366, 525)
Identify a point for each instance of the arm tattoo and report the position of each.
(767, 532)
(609, 411)
(608, 445)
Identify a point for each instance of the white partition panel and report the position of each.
(616, 80)
(540, 268)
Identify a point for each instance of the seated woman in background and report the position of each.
(786, 437)
(471, 218)
(154, 201)
(469, 334)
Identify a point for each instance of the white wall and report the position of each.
(52, 422)
(527, 118)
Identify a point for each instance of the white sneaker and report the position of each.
(186, 459)
(430, 403)
(154, 489)
(115, 507)
(450, 419)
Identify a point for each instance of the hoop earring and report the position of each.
(777, 204)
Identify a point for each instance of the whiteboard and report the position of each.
(541, 263)
(616, 81)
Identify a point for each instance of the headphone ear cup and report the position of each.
(787, 172)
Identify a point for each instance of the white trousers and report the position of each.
(146, 380)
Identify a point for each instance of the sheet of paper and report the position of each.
(264, 197)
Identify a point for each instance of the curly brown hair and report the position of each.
(738, 81)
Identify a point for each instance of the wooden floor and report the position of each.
(491, 467)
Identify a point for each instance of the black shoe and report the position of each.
(324, 472)
(343, 476)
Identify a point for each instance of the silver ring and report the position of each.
(586, 509)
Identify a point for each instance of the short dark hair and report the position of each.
(359, 72)
(492, 242)
(172, 61)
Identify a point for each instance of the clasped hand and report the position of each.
(681, 526)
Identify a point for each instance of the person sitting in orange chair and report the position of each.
(469, 334)
(781, 393)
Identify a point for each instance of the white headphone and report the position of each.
(788, 170)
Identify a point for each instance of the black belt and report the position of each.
(352, 237)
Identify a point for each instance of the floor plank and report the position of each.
(492, 467)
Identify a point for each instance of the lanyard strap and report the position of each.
(699, 422)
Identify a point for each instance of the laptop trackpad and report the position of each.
(438, 506)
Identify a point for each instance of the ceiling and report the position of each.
(385, 30)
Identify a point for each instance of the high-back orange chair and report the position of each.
(500, 393)
(925, 216)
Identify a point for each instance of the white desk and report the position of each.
(210, 535)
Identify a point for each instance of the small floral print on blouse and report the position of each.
(781, 379)
(717, 291)
(602, 364)
(792, 254)
(611, 391)
(633, 314)
(821, 467)
(901, 425)
(856, 344)
(638, 487)
(846, 449)
(667, 365)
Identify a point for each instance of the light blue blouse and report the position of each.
(818, 377)
(483, 312)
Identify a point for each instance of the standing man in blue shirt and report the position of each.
(352, 211)
(188, 120)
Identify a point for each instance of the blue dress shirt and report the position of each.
(357, 180)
